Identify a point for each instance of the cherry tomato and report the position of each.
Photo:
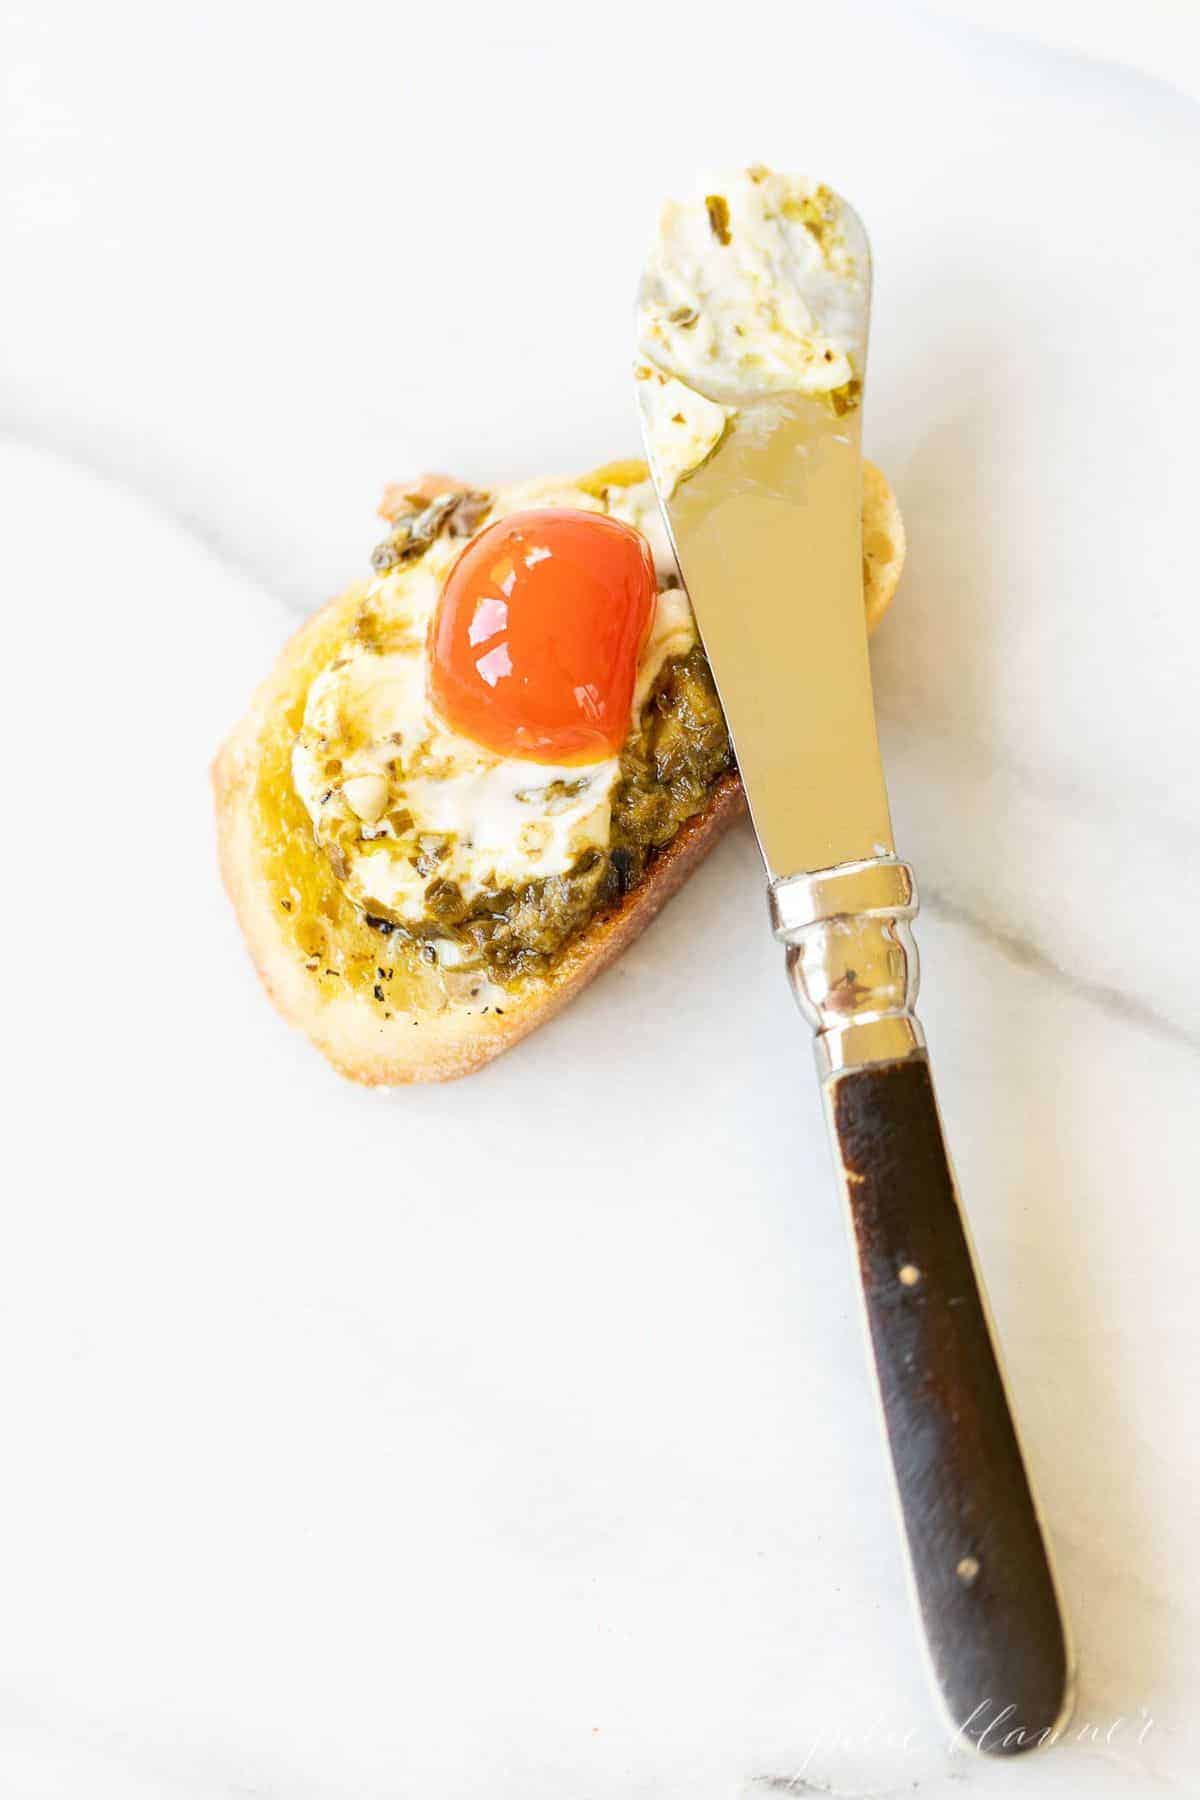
(535, 642)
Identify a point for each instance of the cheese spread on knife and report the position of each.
(753, 287)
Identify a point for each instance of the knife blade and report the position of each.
(767, 533)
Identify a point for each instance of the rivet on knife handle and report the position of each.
(975, 1545)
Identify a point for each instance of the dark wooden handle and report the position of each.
(979, 1562)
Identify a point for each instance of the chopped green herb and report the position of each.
(718, 217)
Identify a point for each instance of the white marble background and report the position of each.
(513, 1439)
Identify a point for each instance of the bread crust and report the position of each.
(450, 1038)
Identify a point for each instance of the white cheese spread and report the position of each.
(398, 798)
(758, 285)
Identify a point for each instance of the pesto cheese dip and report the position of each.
(758, 285)
(418, 822)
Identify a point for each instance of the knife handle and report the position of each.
(977, 1554)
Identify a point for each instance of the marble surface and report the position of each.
(513, 1438)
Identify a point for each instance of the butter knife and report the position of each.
(767, 533)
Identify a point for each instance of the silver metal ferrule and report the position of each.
(852, 959)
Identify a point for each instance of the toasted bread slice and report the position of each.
(384, 1018)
